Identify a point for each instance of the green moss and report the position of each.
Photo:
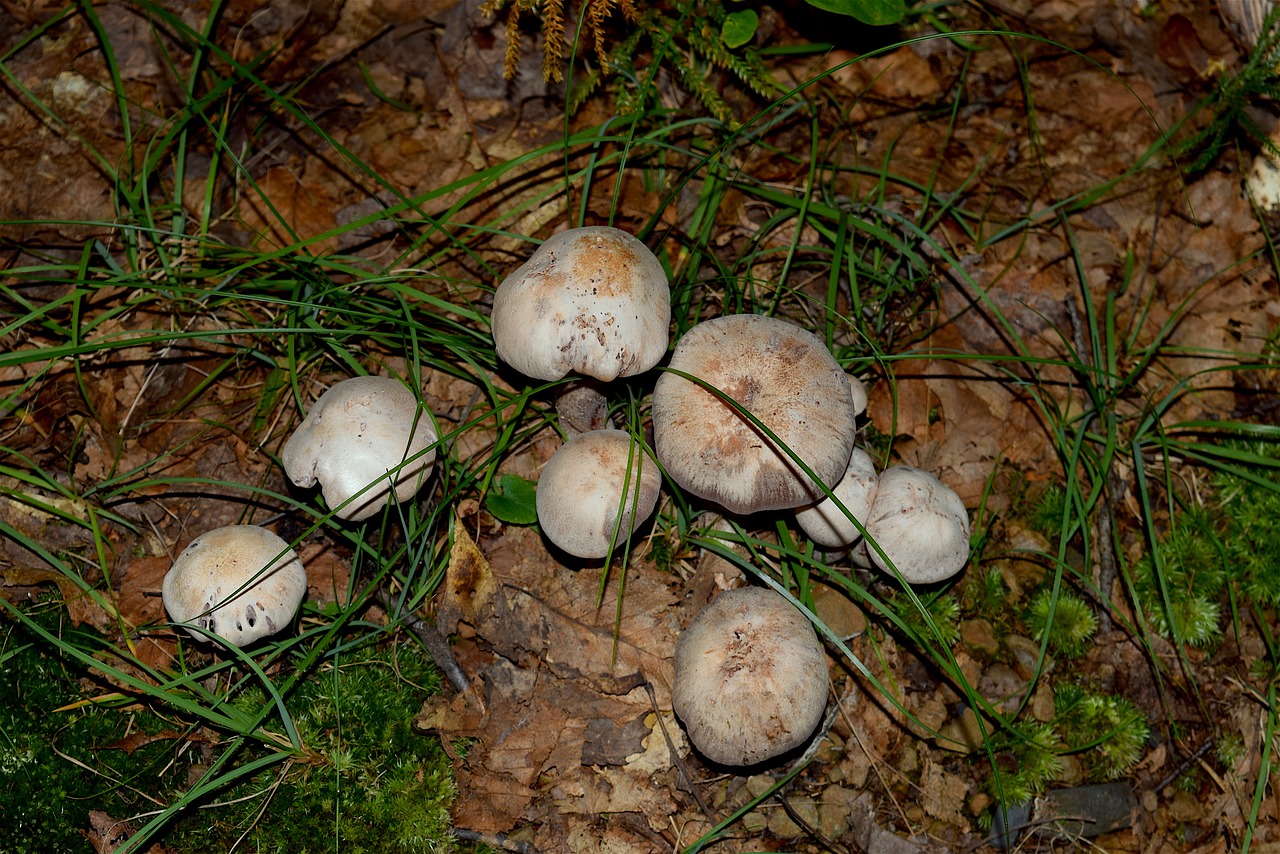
(366, 781)
(984, 595)
(944, 613)
(370, 783)
(1109, 732)
(1029, 757)
(1073, 621)
(45, 796)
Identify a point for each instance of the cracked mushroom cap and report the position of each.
(786, 378)
(593, 300)
(750, 678)
(240, 582)
(825, 523)
(357, 432)
(921, 524)
(583, 485)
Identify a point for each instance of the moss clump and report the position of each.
(1109, 732)
(1073, 625)
(370, 783)
(45, 797)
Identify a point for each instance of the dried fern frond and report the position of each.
(553, 36)
(597, 11)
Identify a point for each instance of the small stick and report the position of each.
(675, 757)
(431, 638)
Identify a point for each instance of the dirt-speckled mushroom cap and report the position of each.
(750, 678)
(593, 300)
(825, 523)
(583, 485)
(781, 374)
(240, 582)
(356, 432)
(921, 524)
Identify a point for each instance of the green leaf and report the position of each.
(875, 12)
(739, 28)
(512, 499)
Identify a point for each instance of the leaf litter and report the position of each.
(567, 730)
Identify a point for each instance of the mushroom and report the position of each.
(593, 300)
(920, 524)
(586, 482)
(827, 524)
(750, 677)
(781, 374)
(858, 392)
(241, 583)
(356, 433)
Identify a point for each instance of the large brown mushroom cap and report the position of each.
(584, 484)
(202, 584)
(920, 523)
(593, 300)
(750, 678)
(356, 432)
(781, 374)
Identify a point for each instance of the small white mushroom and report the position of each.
(750, 678)
(858, 392)
(781, 374)
(828, 525)
(920, 523)
(355, 434)
(590, 300)
(585, 484)
(240, 582)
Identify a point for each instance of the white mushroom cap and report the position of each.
(750, 677)
(858, 392)
(583, 485)
(240, 582)
(356, 432)
(593, 300)
(781, 374)
(825, 523)
(921, 524)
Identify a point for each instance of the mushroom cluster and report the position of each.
(919, 524)
(367, 441)
(592, 301)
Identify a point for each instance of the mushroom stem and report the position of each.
(581, 407)
(436, 645)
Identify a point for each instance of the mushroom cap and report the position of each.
(583, 484)
(593, 300)
(750, 677)
(825, 523)
(781, 374)
(356, 432)
(858, 392)
(921, 524)
(240, 582)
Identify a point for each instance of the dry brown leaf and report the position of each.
(328, 575)
(107, 834)
(942, 794)
(290, 204)
(18, 583)
(545, 612)
(469, 583)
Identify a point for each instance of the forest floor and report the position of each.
(1031, 252)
